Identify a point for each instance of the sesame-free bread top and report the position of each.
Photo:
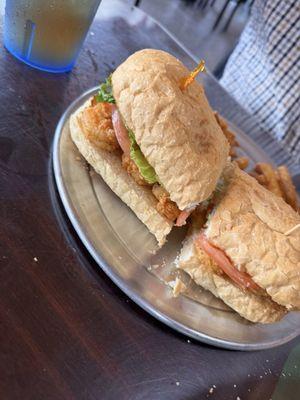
(175, 129)
(250, 224)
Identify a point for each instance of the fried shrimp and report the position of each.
(130, 166)
(165, 206)
(97, 126)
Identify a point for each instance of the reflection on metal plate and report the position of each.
(127, 252)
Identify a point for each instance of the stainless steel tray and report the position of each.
(125, 250)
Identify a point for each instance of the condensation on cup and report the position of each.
(47, 34)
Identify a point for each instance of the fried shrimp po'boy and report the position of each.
(247, 252)
(153, 139)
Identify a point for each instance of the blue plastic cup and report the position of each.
(47, 35)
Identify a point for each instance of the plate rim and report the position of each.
(109, 270)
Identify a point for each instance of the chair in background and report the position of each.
(233, 4)
(203, 4)
(237, 4)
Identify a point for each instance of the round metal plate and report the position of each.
(124, 249)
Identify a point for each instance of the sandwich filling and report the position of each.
(104, 127)
(225, 265)
(220, 262)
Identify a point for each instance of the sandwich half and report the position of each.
(246, 250)
(156, 143)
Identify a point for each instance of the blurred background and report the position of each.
(209, 29)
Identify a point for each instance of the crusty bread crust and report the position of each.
(250, 306)
(176, 130)
(140, 199)
(249, 223)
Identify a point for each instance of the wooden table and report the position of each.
(66, 331)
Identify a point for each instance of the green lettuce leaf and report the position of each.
(138, 157)
(105, 92)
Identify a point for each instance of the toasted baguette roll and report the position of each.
(250, 224)
(175, 129)
(139, 198)
(249, 305)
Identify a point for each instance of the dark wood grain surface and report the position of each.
(66, 331)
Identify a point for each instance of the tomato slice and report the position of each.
(120, 130)
(242, 279)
